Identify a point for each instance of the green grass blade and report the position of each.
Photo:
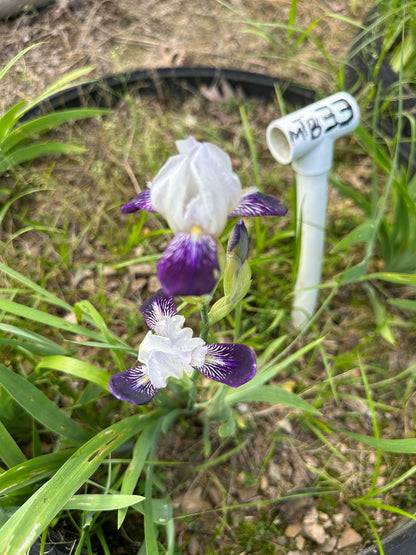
(272, 369)
(390, 508)
(406, 304)
(76, 367)
(270, 394)
(16, 58)
(33, 470)
(403, 446)
(45, 318)
(60, 85)
(28, 522)
(34, 339)
(100, 502)
(291, 20)
(399, 279)
(39, 406)
(47, 295)
(148, 505)
(10, 452)
(139, 455)
(85, 307)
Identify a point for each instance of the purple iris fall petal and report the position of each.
(229, 363)
(142, 201)
(189, 265)
(156, 306)
(132, 385)
(258, 204)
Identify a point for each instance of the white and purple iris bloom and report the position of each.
(169, 350)
(196, 191)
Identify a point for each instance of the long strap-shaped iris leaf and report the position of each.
(21, 530)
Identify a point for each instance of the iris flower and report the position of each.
(169, 350)
(196, 191)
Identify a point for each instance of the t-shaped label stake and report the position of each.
(306, 138)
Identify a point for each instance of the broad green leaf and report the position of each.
(270, 394)
(7, 508)
(355, 273)
(389, 445)
(363, 233)
(28, 153)
(380, 315)
(27, 346)
(10, 452)
(32, 470)
(60, 85)
(34, 339)
(76, 367)
(406, 304)
(44, 123)
(108, 502)
(28, 522)
(392, 277)
(9, 118)
(39, 406)
(161, 510)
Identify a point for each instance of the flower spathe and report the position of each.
(169, 350)
(196, 191)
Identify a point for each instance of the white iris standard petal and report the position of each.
(170, 351)
(196, 188)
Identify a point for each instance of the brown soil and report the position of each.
(113, 36)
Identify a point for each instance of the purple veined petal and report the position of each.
(132, 385)
(142, 201)
(189, 265)
(229, 363)
(258, 204)
(156, 306)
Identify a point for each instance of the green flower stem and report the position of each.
(204, 335)
(204, 322)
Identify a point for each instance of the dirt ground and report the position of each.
(119, 35)
(113, 36)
